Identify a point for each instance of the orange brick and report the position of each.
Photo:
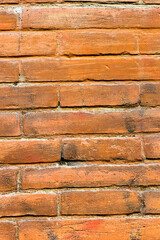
(150, 120)
(7, 231)
(89, 68)
(31, 96)
(8, 179)
(8, 19)
(90, 17)
(152, 147)
(38, 43)
(89, 42)
(34, 151)
(9, 124)
(90, 176)
(28, 204)
(99, 95)
(152, 1)
(149, 42)
(89, 229)
(9, 44)
(150, 94)
(99, 202)
(82, 122)
(9, 70)
(102, 149)
(152, 202)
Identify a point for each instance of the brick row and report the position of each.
(88, 229)
(80, 149)
(90, 202)
(52, 69)
(90, 17)
(110, 122)
(82, 17)
(89, 68)
(90, 176)
(80, 176)
(46, 96)
(80, 42)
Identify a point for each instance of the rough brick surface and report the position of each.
(79, 120)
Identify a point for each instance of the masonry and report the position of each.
(79, 120)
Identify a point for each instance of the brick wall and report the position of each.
(79, 120)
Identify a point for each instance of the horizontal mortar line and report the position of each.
(97, 56)
(75, 165)
(73, 56)
(80, 4)
(137, 188)
(28, 218)
(79, 135)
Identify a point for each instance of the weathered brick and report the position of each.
(99, 202)
(90, 176)
(90, 17)
(152, 202)
(102, 149)
(9, 70)
(7, 231)
(34, 151)
(132, 121)
(8, 179)
(99, 95)
(9, 124)
(28, 204)
(150, 94)
(152, 146)
(90, 42)
(89, 229)
(38, 43)
(152, 1)
(8, 19)
(9, 44)
(149, 42)
(89, 68)
(31, 96)
(82, 122)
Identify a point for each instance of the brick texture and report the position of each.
(79, 120)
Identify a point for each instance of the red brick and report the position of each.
(38, 43)
(81, 122)
(31, 96)
(99, 202)
(89, 68)
(8, 19)
(102, 149)
(89, 229)
(9, 44)
(150, 94)
(9, 124)
(152, 202)
(34, 151)
(89, 42)
(90, 17)
(90, 176)
(7, 231)
(8, 179)
(9, 70)
(152, 147)
(28, 204)
(99, 95)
